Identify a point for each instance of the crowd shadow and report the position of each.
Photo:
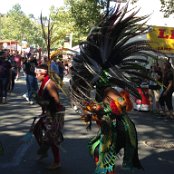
(156, 162)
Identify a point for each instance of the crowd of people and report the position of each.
(13, 64)
(41, 90)
(161, 90)
(160, 96)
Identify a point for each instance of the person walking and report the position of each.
(165, 99)
(61, 69)
(5, 75)
(31, 81)
(14, 72)
(51, 121)
(17, 58)
(155, 88)
(54, 66)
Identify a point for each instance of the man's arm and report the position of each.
(53, 91)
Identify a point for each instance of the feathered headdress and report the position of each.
(112, 56)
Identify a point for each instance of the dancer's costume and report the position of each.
(110, 57)
(48, 130)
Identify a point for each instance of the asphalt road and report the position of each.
(155, 134)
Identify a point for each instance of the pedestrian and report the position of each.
(54, 66)
(61, 69)
(31, 81)
(14, 73)
(66, 68)
(155, 88)
(165, 99)
(5, 75)
(51, 121)
(17, 58)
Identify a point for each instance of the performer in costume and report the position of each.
(48, 130)
(110, 58)
(116, 131)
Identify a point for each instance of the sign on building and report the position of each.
(162, 39)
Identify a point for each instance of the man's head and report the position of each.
(4, 54)
(41, 71)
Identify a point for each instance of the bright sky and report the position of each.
(153, 7)
(30, 6)
(36, 6)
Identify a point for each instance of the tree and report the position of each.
(86, 13)
(167, 7)
(63, 25)
(17, 26)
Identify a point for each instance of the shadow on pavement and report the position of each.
(19, 158)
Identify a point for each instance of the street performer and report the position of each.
(105, 74)
(48, 130)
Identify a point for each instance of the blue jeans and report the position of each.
(4, 82)
(32, 85)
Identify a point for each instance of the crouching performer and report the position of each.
(116, 131)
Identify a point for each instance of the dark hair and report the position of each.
(168, 65)
(2, 53)
(28, 55)
(43, 66)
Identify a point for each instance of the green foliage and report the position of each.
(17, 26)
(85, 13)
(167, 7)
(76, 18)
(62, 25)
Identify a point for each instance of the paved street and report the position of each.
(156, 140)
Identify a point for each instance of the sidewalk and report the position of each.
(155, 135)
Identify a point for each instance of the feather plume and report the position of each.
(112, 47)
(47, 35)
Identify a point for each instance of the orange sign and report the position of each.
(162, 39)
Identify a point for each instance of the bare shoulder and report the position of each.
(51, 85)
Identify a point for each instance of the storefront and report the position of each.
(8, 44)
(162, 39)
